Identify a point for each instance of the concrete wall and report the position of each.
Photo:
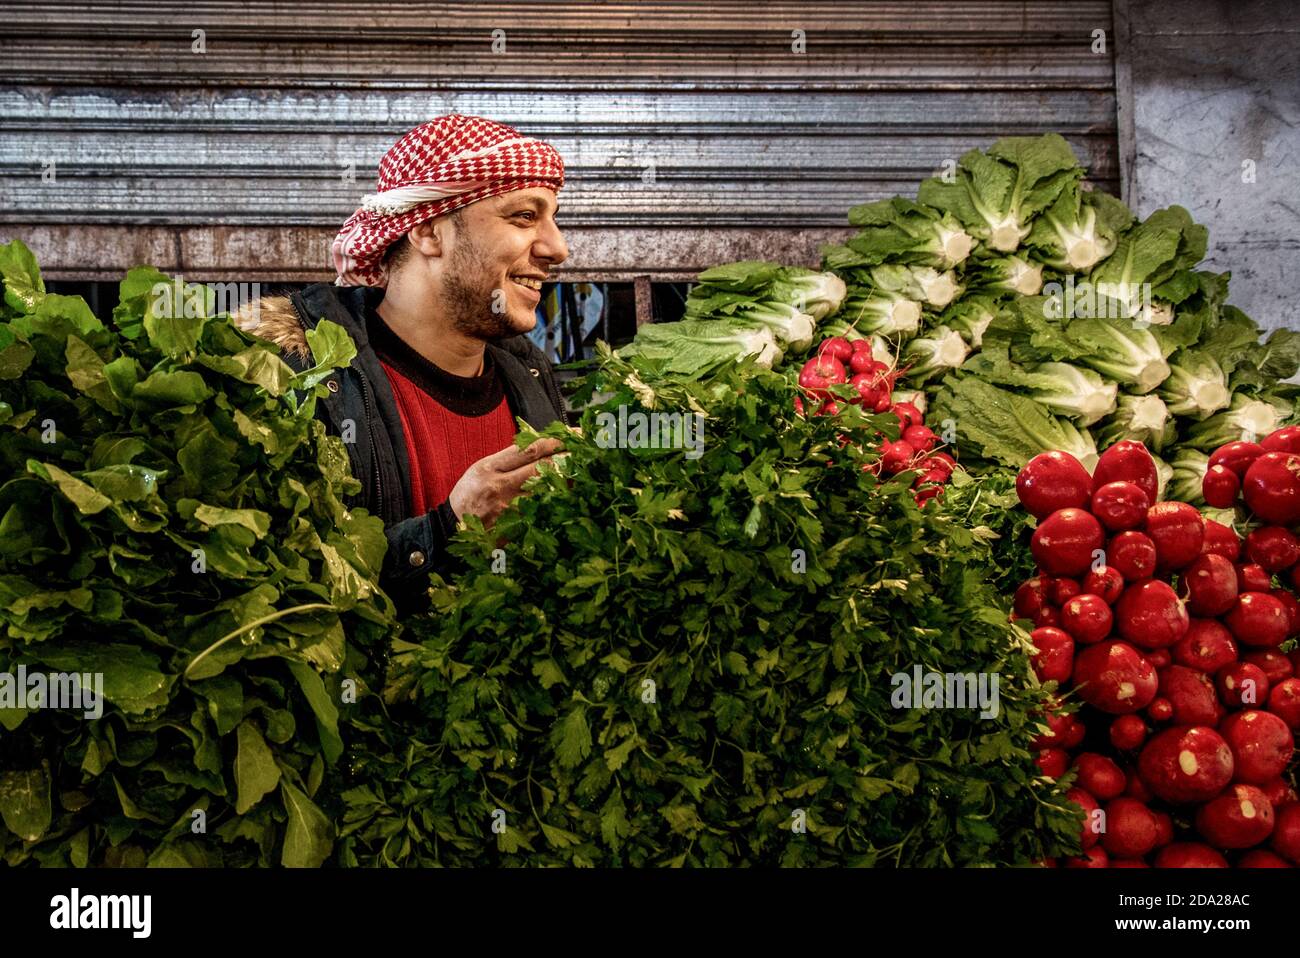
(1216, 83)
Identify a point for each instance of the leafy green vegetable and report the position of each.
(696, 347)
(174, 519)
(996, 194)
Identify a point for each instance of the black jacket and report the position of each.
(361, 393)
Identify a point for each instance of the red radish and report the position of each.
(1279, 793)
(1221, 540)
(1062, 590)
(1047, 615)
(1252, 578)
(1207, 646)
(1294, 656)
(1258, 858)
(1210, 584)
(1164, 829)
(1257, 619)
(1090, 831)
(1292, 610)
(1094, 857)
(1120, 505)
(928, 493)
(1261, 744)
(1052, 481)
(798, 405)
(908, 413)
(818, 374)
(1189, 855)
(1286, 833)
(1178, 531)
(1272, 663)
(935, 464)
(1219, 487)
(882, 403)
(1127, 461)
(1066, 733)
(1271, 488)
(1106, 582)
(1114, 677)
(1238, 818)
(1241, 684)
(1128, 863)
(867, 393)
(1064, 542)
(1159, 658)
(1133, 554)
(1236, 456)
(1055, 657)
(1087, 618)
(1136, 788)
(921, 437)
(862, 362)
(1150, 615)
(1100, 776)
(1286, 439)
(836, 347)
(1273, 548)
(1284, 702)
(1182, 765)
(1128, 732)
(931, 476)
(948, 460)
(1191, 693)
(1160, 710)
(894, 456)
(1053, 762)
(1031, 596)
(1131, 829)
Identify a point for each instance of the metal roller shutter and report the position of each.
(694, 133)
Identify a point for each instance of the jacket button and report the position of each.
(535, 372)
(416, 558)
(332, 385)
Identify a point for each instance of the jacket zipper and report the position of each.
(365, 399)
(374, 455)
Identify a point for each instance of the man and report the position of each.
(439, 276)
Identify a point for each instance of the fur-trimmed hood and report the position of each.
(274, 318)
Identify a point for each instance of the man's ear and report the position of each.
(428, 237)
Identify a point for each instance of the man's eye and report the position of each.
(529, 213)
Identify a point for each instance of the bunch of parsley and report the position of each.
(659, 660)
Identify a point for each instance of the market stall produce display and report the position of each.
(704, 638)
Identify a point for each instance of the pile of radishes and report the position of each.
(1169, 628)
(839, 361)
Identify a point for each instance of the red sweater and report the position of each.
(450, 422)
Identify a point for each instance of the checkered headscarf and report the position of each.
(438, 167)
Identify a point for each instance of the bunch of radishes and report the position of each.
(837, 360)
(1172, 640)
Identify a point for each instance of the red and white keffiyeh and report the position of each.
(438, 167)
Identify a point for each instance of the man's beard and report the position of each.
(468, 303)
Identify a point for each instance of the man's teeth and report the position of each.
(528, 281)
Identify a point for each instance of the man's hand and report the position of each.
(494, 481)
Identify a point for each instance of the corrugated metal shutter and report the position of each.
(694, 133)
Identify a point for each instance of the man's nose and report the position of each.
(550, 245)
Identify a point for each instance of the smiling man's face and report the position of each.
(501, 249)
